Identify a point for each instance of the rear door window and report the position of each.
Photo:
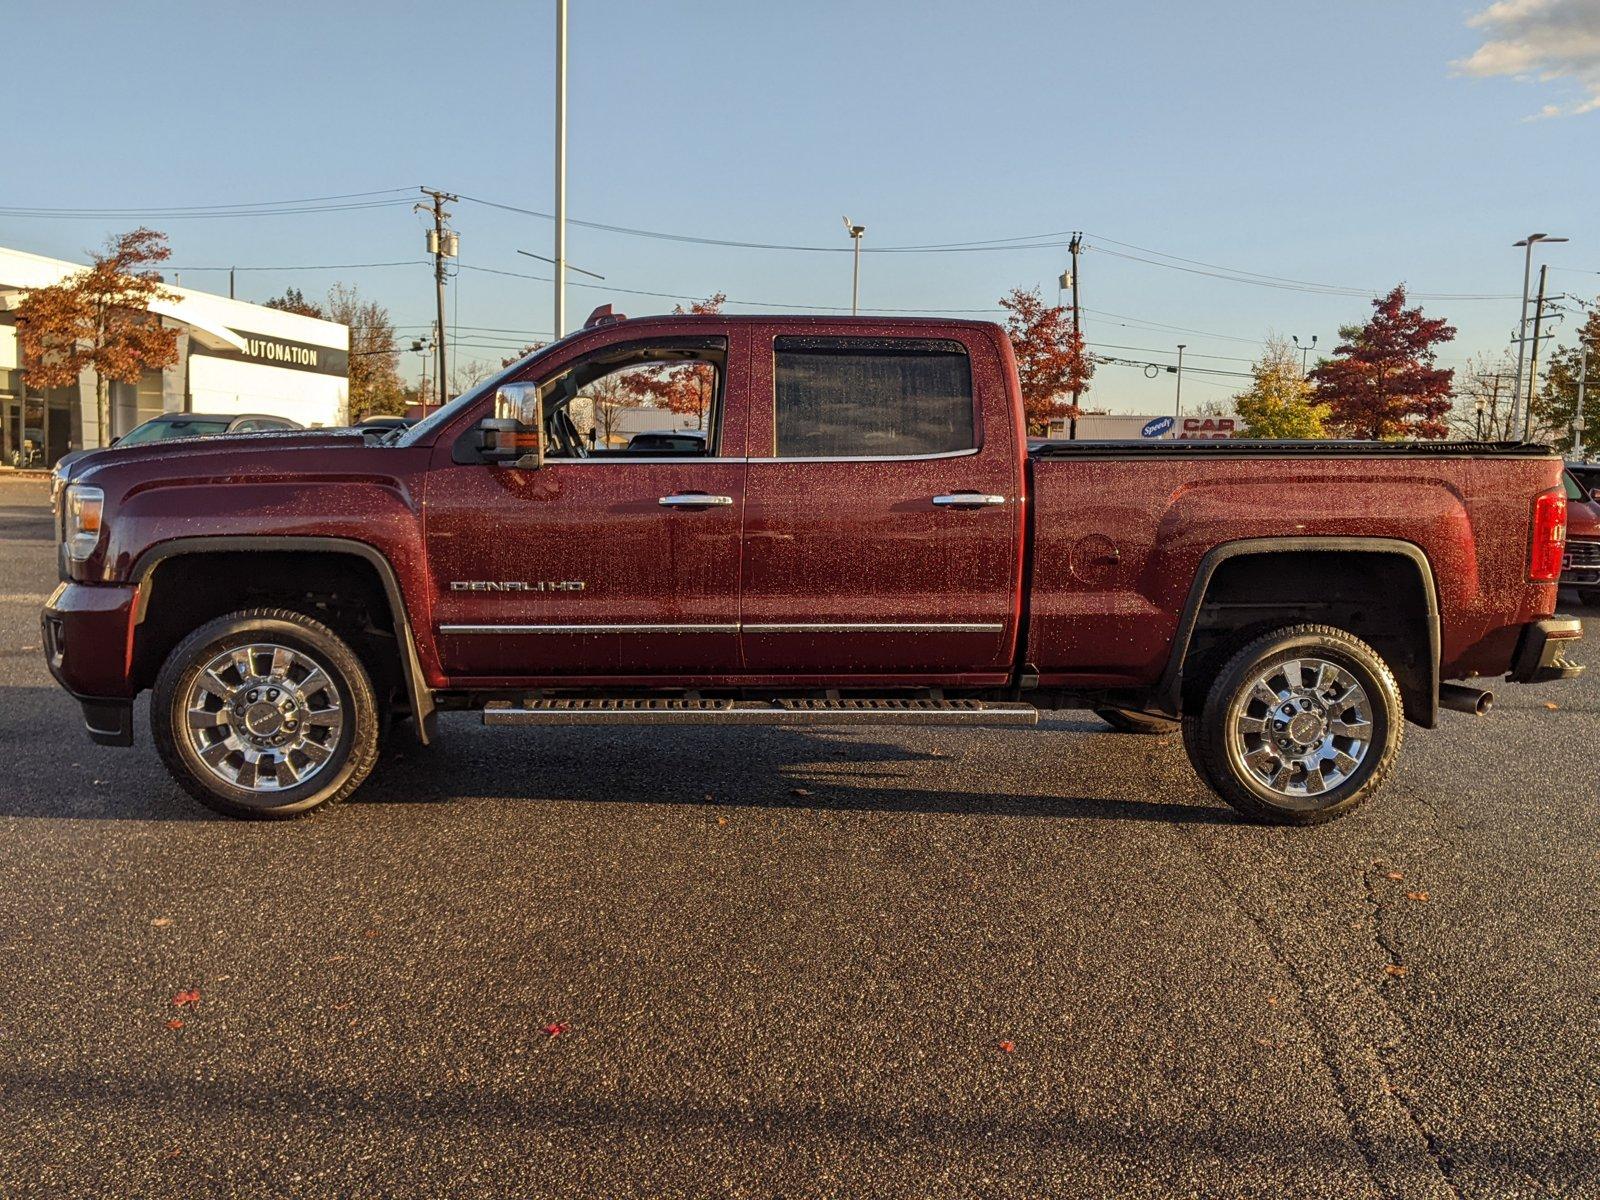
(871, 398)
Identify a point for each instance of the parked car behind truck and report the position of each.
(863, 538)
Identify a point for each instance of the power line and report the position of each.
(243, 208)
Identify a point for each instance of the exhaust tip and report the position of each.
(1460, 698)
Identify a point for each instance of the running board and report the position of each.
(759, 712)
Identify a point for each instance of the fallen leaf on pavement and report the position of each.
(1008, 1047)
(1394, 969)
(175, 1023)
(1395, 874)
(161, 922)
(1551, 705)
(556, 1028)
(1272, 1000)
(722, 820)
(369, 933)
(188, 996)
(1419, 897)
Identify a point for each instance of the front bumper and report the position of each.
(87, 634)
(1541, 653)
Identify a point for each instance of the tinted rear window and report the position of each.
(850, 397)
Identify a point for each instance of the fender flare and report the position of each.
(1169, 689)
(421, 697)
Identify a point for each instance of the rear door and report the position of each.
(604, 562)
(883, 507)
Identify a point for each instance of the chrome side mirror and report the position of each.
(514, 436)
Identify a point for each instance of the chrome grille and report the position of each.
(1582, 554)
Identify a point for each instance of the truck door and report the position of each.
(619, 557)
(883, 508)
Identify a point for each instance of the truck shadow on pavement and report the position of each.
(776, 768)
(48, 770)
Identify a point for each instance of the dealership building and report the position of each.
(232, 358)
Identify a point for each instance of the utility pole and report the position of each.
(1577, 415)
(1180, 379)
(561, 170)
(230, 283)
(1533, 359)
(1526, 244)
(442, 244)
(1075, 245)
(855, 232)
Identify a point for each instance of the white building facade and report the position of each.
(233, 357)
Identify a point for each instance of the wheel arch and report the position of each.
(410, 666)
(1419, 682)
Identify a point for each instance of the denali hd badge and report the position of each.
(517, 585)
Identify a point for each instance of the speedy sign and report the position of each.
(1157, 428)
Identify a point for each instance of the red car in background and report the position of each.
(1580, 568)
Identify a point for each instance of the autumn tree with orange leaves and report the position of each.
(689, 388)
(1382, 381)
(100, 320)
(1052, 364)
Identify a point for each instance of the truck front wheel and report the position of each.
(265, 713)
(1300, 726)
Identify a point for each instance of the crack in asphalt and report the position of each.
(1340, 1059)
(1388, 1052)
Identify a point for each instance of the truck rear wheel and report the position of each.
(1300, 726)
(265, 713)
(1127, 720)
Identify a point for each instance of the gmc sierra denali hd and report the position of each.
(860, 534)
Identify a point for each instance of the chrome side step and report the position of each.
(759, 712)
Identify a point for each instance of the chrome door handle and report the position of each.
(695, 500)
(967, 499)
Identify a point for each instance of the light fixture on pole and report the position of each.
(1179, 401)
(1304, 350)
(855, 232)
(1526, 244)
(561, 171)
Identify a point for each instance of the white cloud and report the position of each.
(1541, 41)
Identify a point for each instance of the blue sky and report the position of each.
(1327, 143)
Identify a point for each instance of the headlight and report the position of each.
(85, 507)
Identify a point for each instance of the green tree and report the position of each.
(294, 300)
(1557, 402)
(375, 387)
(1278, 403)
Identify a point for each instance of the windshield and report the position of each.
(161, 430)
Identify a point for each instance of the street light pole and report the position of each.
(561, 170)
(1179, 403)
(855, 275)
(1304, 350)
(1527, 245)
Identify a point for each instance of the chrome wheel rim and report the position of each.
(1302, 727)
(263, 717)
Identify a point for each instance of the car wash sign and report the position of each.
(1204, 429)
(269, 351)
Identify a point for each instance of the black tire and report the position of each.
(1127, 720)
(1219, 750)
(1589, 597)
(353, 750)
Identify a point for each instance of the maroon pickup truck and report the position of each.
(862, 535)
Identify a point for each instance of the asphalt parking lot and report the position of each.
(756, 963)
